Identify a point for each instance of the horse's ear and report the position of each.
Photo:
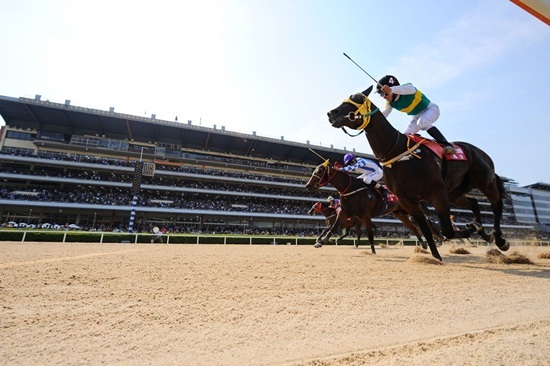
(368, 90)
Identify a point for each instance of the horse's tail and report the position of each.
(501, 190)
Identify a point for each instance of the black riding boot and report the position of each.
(374, 184)
(436, 134)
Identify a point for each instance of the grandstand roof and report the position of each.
(39, 115)
(541, 186)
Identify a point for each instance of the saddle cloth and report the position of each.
(391, 197)
(438, 149)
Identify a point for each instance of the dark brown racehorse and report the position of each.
(331, 216)
(360, 200)
(415, 174)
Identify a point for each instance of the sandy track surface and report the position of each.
(121, 304)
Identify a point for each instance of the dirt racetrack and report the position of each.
(133, 304)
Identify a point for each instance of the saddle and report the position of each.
(437, 149)
(386, 195)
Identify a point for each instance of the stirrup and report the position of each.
(375, 185)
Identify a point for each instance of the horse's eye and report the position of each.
(351, 116)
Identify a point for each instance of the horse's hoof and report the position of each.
(318, 245)
(488, 238)
(424, 246)
(356, 245)
(474, 227)
(504, 246)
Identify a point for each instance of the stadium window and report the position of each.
(18, 135)
(53, 136)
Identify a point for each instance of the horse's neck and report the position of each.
(340, 180)
(329, 212)
(382, 136)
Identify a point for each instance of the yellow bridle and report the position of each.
(363, 110)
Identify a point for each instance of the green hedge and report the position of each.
(83, 237)
(11, 235)
(180, 239)
(46, 236)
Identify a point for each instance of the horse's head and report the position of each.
(319, 177)
(354, 112)
(317, 207)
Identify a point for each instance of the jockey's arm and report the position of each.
(403, 89)
(350, 168)
(386, 112)
(360, 164)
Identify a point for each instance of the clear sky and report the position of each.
(277, 67)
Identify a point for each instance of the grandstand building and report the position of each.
(62, 164)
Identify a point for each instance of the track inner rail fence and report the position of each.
(147, 238)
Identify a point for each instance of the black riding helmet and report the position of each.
(389, 80)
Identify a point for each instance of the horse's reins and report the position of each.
(345, 192)
(352, 192)
(366, 106)
(320, 183)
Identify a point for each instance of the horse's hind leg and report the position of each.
(345, 232)
(473, 205)
(358, 225)
(494, 194)
(370, 234)
(497, 232)
(493, 189)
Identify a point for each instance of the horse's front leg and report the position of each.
(416, 211)
(319, 242)
(323, 239)
(436, 233)
(404, 218)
